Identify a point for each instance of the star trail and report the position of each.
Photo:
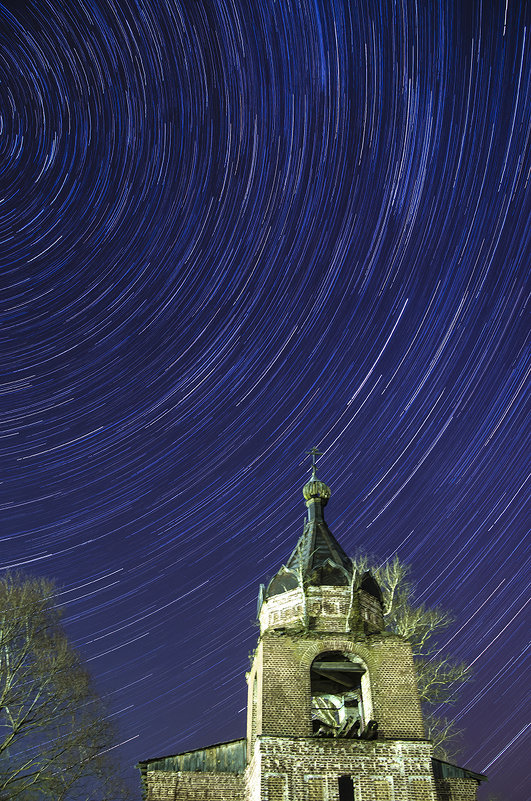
(231, 231)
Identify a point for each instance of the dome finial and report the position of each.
(316, 492)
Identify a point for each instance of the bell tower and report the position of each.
(331, 694)
(333, 706)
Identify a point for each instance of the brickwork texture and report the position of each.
(282, 672)
(194, 786)
(309, 769)
(456, 789)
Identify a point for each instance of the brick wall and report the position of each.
(285, 687)
(370, 611)
(254, 699)
(456, 789)
(323, 608)
(395, 699)
(282, 669)
(252, 777)
(308, 769)
(192, 786)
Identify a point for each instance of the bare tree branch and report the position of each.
(445, 736)
(439, 677)
(54, 729)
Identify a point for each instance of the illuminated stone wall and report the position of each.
(308, 769)
(282, 671)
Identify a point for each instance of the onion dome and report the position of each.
(316, 494)
(316, 489)
(318, 558)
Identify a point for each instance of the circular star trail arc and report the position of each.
(229, 232)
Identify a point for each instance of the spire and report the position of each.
(318, 558)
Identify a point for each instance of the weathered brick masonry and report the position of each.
(333, 707)
(456, 789)
(309, 770)
(195, 786)
(282, 668)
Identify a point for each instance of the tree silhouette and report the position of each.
(54, 730)
(439, 677)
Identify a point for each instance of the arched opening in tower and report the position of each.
(337, 699)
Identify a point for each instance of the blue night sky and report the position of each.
(232, 230)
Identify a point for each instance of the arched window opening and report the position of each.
(337, 700)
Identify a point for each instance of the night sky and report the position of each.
(231, 231)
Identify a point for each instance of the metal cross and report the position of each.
(314, 453)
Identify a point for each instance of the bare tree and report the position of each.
(54, 731)
(439, 677)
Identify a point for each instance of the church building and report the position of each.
(333, 707)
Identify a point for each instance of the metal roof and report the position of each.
(318, 558)
(229, 757)
(445, 770)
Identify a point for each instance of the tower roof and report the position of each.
(318, 558)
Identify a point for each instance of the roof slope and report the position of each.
(318, 558)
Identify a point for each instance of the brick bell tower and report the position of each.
(333, 706)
